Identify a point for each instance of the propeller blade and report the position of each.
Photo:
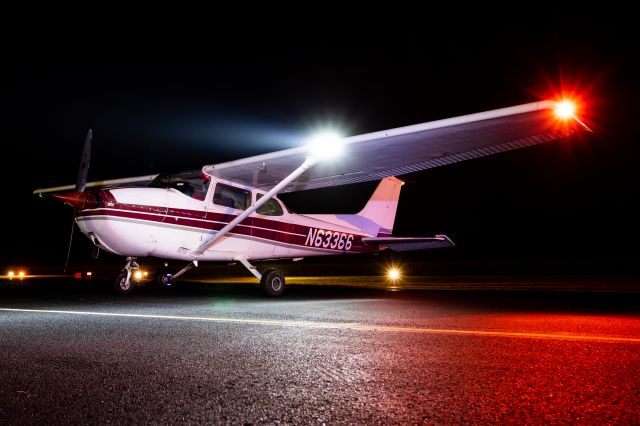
(83, 170)
(78, 199)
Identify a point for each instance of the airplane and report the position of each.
(230, 211)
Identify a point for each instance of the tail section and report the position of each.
(377, 216)
(379, 213)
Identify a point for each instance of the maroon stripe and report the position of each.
(273, 230)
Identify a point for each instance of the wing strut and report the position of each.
(308, 162)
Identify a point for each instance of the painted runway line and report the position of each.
(342, 326)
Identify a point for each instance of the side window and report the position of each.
(270, 208)
(230, 196)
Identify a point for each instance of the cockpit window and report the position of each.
(230, 196)
(270, 208)
(193, 183)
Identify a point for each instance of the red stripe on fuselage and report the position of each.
(273, 230)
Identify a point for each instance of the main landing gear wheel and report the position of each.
(163, 279)
(272, 283)
(123, 282)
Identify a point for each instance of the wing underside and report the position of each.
(403, 150)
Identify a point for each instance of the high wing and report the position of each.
(402, 150)
(393, 152)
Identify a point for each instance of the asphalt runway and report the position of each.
(75, 353)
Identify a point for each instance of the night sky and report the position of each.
(569, 202)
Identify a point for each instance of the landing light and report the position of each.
(325, 145)
(565, 109)
(137, 275)
(11, 274)
(21, 274)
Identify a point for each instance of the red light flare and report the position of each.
(566, 110)
(576, 98)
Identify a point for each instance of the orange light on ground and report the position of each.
(137, 275)
(393, 274)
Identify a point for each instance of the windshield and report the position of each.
(193, 183)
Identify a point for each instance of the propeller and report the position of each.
(81, 183)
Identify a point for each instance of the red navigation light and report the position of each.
(565, 109)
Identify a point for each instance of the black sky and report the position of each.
(564, 201)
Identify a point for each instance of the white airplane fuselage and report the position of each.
(165, 223)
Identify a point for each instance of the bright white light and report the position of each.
(137, 275)
(21, 274)
(325, 145)
(393, 274)
(11, 274)
(565, 109)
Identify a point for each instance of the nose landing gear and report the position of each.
(124, 280)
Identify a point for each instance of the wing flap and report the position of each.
(411, 243)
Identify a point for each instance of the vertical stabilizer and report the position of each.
(377, 217)
(380, 211)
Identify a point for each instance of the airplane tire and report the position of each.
(273, 283)
(163, 279)
(121, 284)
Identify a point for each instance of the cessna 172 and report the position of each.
(230, 211)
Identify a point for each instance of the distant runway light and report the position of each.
(565, 109)
(393, 274)
(325, 145)
(11, 274)
(21, 274)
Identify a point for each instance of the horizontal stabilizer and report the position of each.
(131, 181)
(411, 243)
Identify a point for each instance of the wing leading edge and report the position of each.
(403, 150)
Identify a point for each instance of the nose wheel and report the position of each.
(124, 283)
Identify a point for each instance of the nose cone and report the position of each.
(74, 199)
